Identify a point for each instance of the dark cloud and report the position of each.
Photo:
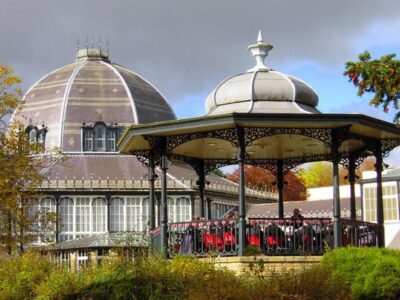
(185, 47)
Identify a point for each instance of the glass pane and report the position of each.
(100, 137)
(66, 215)
(117, 214)
(99, 213)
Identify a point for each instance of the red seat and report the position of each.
(272, 241)
(229, 238)
(210, 240)
(253, 239)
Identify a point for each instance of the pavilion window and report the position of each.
(82, 215)
(33, 136)
(133, 205)
(47, 221)
(67, 218)
(117, 214)
(87, 140)
(390, 202)
(145, 214)
(183, 209)
(111, 140)
(179, 210)
(370, 203)
(100, 137)
(99, 215)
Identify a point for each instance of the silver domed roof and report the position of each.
(262, 90)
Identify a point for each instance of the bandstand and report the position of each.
(267, 119)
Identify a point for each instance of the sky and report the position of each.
(186, 48)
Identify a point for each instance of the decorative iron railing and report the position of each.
(287, 236)
(143, 184)
(203, 238)
(359, 233)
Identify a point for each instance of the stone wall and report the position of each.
(264, 265)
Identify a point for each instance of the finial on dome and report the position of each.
(90, 52)
(259, 39)
(259, 51)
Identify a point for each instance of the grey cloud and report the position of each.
(184, 47)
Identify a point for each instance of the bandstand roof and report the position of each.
(267, 136)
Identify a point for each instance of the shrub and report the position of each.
(371, 273)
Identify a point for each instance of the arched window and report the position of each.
(117, 214)
(99, 215)
(179, 210)
(82, 214)
(47, 219)
(145, 214)
(133, 213)
(183, 209)
(100, 137)
(33, 135)
(67, 219)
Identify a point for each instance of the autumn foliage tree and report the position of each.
(319, 174)
(379, 77)
(19, 171)
(261, 178)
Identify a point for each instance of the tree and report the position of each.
(319, 174)
(261, 178)
(19, 172)
(381, 77)
(218, 172)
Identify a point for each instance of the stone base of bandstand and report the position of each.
(264, 265)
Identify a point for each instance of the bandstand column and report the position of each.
(152, 178)
(352, 180)
(337, 230)
(281, 184)
(164, 205)
(201, 183)
(108, 203)
(58, 217)
(242, 195)
(379, 193)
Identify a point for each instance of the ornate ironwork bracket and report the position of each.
(229, 135)
(388, 145)
(255, 133)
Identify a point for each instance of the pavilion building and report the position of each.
(82, 109)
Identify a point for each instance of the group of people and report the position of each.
(223, 237)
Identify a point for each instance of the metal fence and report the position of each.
(268, 236)
(287, 236)
(359, 234)
(203, 238)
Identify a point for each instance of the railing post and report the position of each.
(242, 193)
(337, 230)
(379, 193)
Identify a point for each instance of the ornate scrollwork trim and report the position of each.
(255, 133)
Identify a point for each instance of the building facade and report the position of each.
(82, 109)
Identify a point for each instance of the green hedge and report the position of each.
(370, 273)
(343, 274)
